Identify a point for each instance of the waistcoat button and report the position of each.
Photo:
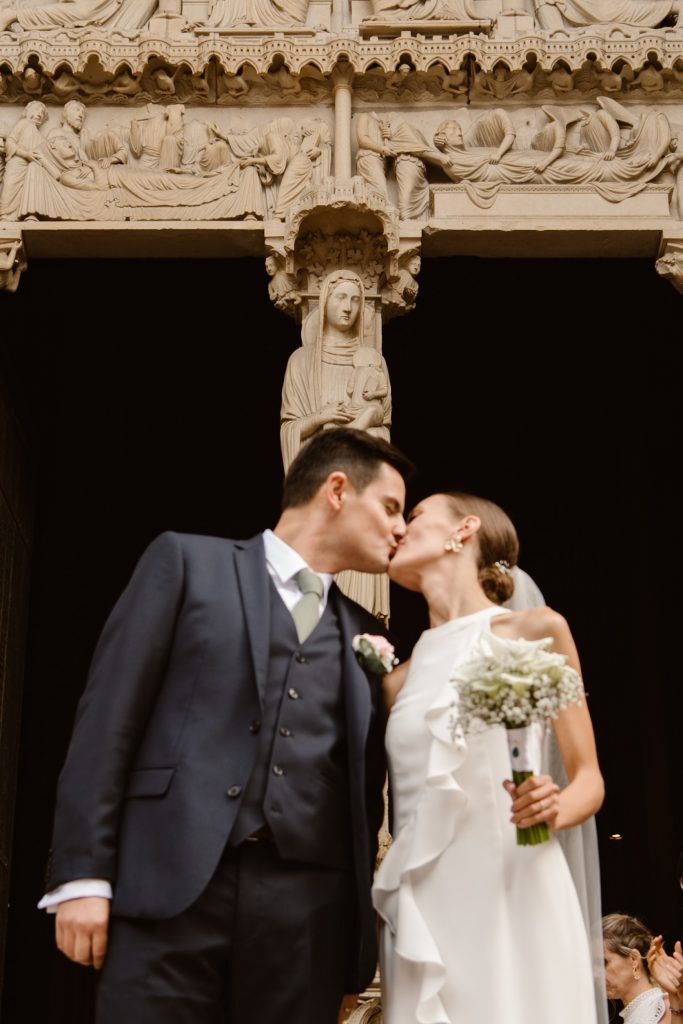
(284, 731)
(234, 791)
(277, 770)
(293, 694)
(255, 726)
(301, 658)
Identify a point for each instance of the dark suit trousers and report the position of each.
(266, 943)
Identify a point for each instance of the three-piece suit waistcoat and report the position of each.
(299, 785)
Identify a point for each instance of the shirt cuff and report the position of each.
(76, 890)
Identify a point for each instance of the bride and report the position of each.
(476, 927)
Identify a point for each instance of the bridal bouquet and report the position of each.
(519, 684)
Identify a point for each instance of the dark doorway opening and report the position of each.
(153, 392)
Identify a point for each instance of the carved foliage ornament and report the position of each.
(365, 253)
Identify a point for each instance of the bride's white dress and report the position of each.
(475, 927)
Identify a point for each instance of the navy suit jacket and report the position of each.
(162, 736)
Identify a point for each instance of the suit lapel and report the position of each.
(356, 683)
(252, 576)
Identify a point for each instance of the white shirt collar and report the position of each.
(284, 562)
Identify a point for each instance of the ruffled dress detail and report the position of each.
(470, 919)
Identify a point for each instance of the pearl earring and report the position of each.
(454, 543)
(636, 973)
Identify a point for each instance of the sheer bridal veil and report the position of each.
(580, 844)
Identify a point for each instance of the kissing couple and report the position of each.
(217, 815)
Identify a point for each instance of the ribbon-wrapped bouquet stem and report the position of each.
(521, 685)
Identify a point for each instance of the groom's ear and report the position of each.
(335, 489)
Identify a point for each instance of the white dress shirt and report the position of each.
(282, 563)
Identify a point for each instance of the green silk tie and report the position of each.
(306, 612)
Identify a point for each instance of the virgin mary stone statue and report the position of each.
(318, 389)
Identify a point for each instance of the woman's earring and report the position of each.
(454, 543)
(636, 973)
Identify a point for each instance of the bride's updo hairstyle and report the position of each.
(622, 933)
(498, 543)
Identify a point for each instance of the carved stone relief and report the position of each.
(157, 164)
(125, 16)
(564, 146)
(424, 15)
(559, 14)
(615, 149)
(570, 108)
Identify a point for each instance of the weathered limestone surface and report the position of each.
(341, 135)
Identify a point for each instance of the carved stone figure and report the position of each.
(408, 143)
(23, 151)
(233, 85)
(423, 10)
(315, 388)
(238, 169)
(283, 288)
(125, 83)
(315, 393)
(616, 170)
(597, 79)
(267, 161)
(649, 79)
(501, 83)
(33, 81)
(560, 79)
(64, 148)
(399, 293)
(48, 177)
(451, 82)
(66, 85)
(492, 131)
(125, 16)
(262, 13)
(367, 385)
(373, 148)
(559, 14)
(156, 138)
(309, 165)
(406, 84)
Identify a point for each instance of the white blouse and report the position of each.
(647, 1008)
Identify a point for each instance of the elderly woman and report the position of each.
(632, 971)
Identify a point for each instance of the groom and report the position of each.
(223, 785)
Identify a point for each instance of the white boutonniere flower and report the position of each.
(374, 653)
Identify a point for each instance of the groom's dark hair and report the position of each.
(354, 452)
